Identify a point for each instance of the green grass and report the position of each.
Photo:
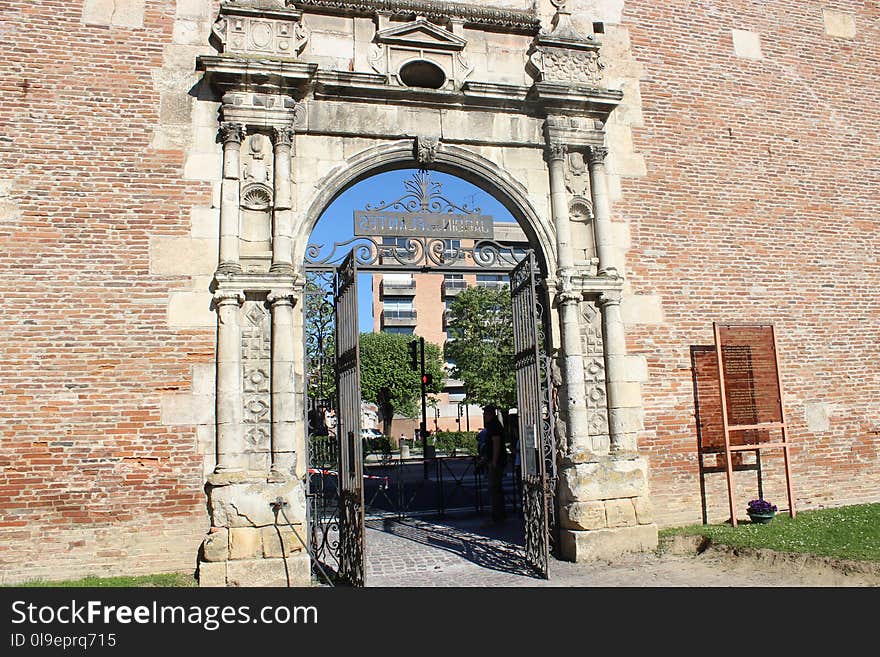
(849, 532)
(165, 579)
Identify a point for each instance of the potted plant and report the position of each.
(761, 511)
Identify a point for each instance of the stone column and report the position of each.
(601, 211)
(283, 394)
(621, 432)
(568, 299)
(231, 135)
(230, 436)
(282, 217)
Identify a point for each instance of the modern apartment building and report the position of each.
(417, 304)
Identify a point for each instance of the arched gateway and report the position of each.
(296, 132)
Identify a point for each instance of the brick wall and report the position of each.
(759, 205)
(91, 480)
(756, 202)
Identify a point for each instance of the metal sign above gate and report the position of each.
(421, 230)
(423, 212)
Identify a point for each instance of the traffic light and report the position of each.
(414, 355)
(427, 379)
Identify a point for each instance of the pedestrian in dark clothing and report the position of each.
(494, 459)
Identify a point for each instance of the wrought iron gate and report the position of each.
(348, 429)
(535, 415)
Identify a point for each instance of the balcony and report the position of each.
(399, 318)
(398, 288)
(493, 285)
(451, 287)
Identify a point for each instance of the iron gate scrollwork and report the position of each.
(535, 415)
(348, 430)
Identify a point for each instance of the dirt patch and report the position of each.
(806, 569)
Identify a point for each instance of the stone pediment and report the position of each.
(420, 34)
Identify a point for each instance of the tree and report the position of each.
(320, 350)
(385, 364)
(480, 327)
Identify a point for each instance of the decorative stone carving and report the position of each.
(556, 151)
(398, 45)
(438, 10)
(566, 65)
(256, 31)
(565, 55)
(283, 136)
(257, 167)
(263, 109)
(256, 362)
(594, 370)
(610, 298)
(232, 132)
(257, 197)
(596, 154)
(577, 176)
(426, 150)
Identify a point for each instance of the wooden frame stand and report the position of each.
(751, 397)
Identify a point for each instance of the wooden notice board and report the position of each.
(750, 388)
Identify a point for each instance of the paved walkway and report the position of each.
(458, 551)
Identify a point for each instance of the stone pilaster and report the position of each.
(568, 300)
(231, 134)
(284, 414)
(601, 211)
(622, 421)
(282, 216)
(230, 439)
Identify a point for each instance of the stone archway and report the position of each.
(295, 132)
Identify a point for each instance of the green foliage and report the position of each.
(481, 323)
(322, 451)
(459, 443)
(166, 579)
(385, 364)
(320, 341)
(849, 532)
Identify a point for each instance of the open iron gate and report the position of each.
(348, 429)
(535, 415)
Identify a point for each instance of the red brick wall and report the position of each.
(88, 475)
(760, 205)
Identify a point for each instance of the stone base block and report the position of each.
(601, 544)
(294, 571)
(212, 574)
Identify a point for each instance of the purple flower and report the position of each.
(761, 506)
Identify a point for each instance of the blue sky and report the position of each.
(337, 222)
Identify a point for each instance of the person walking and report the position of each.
(494, 458)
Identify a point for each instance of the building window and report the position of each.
(402, 330)
(491, 280)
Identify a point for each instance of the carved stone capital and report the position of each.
(610, 298)
(596, 155)
(283, 137)
(426, 149)
(556, 151)
(281, 298)
(228, 298)
(231, 132)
